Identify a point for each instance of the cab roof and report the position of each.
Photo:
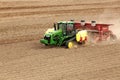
(65, 22)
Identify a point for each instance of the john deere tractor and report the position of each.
(63, 33)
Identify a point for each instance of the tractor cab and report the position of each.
(62, 32)
(67, 27)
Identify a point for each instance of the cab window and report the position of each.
(69, 27)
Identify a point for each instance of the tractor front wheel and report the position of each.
(69, 44)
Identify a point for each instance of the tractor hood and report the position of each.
(50, 30)
(53, 32)
(49, 36)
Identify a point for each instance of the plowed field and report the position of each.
(23, 23)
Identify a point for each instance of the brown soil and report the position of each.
(23, 23)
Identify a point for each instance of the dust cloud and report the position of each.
(116, 27)
(108, 17)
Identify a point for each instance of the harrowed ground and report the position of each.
(23, 23)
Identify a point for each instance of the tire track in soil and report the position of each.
(53, 6)
(73, 69)
(20, 39)
(92, 10)
(83, 63)
(4, 15)
(106, 74)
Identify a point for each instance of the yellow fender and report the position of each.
(81, 34)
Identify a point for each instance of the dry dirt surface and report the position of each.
(23, 23)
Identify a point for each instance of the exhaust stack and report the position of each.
(72, 20)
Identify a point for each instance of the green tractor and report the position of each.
(63, 33)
